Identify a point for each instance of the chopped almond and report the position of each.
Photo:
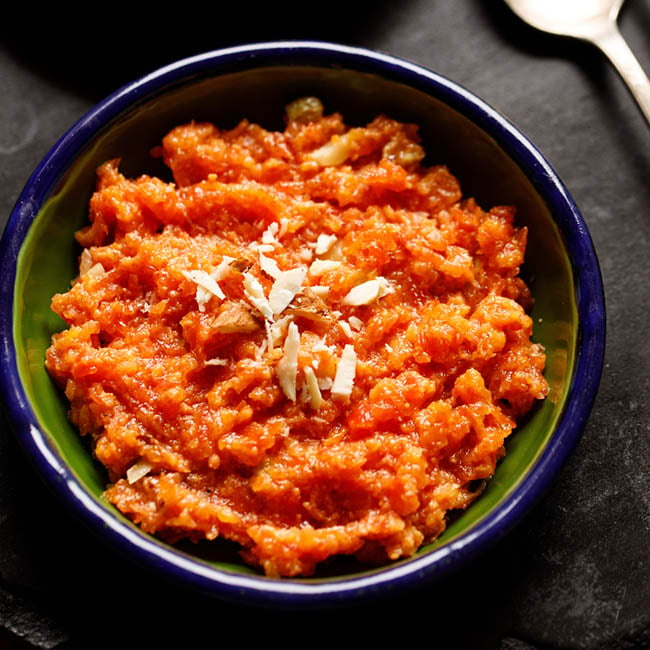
(324, 243)
(332, 153)
(255, 294)
(287, 367)
(345, 373)
(269, 266)
(318, 267)
(311, 384)
(284, 289)
(367, 292)
(308, 304)
(235, 318)
(137, 471)
(85, 261)
(206, 287)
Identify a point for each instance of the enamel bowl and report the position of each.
(494, 162)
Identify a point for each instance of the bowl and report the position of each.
(495, 163)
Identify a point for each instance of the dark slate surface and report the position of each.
(575, 573)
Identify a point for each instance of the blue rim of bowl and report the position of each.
(251, 589)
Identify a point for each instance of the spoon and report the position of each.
(594, 21)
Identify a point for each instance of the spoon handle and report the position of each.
(616, 49)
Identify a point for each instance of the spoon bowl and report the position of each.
(577, 18)
(596, 22)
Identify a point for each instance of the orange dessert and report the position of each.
(309, 343)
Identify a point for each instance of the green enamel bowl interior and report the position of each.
(47, 259)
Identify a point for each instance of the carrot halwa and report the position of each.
(309, 343)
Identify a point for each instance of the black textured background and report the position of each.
(575, 573)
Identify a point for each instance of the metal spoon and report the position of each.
(594, 21)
